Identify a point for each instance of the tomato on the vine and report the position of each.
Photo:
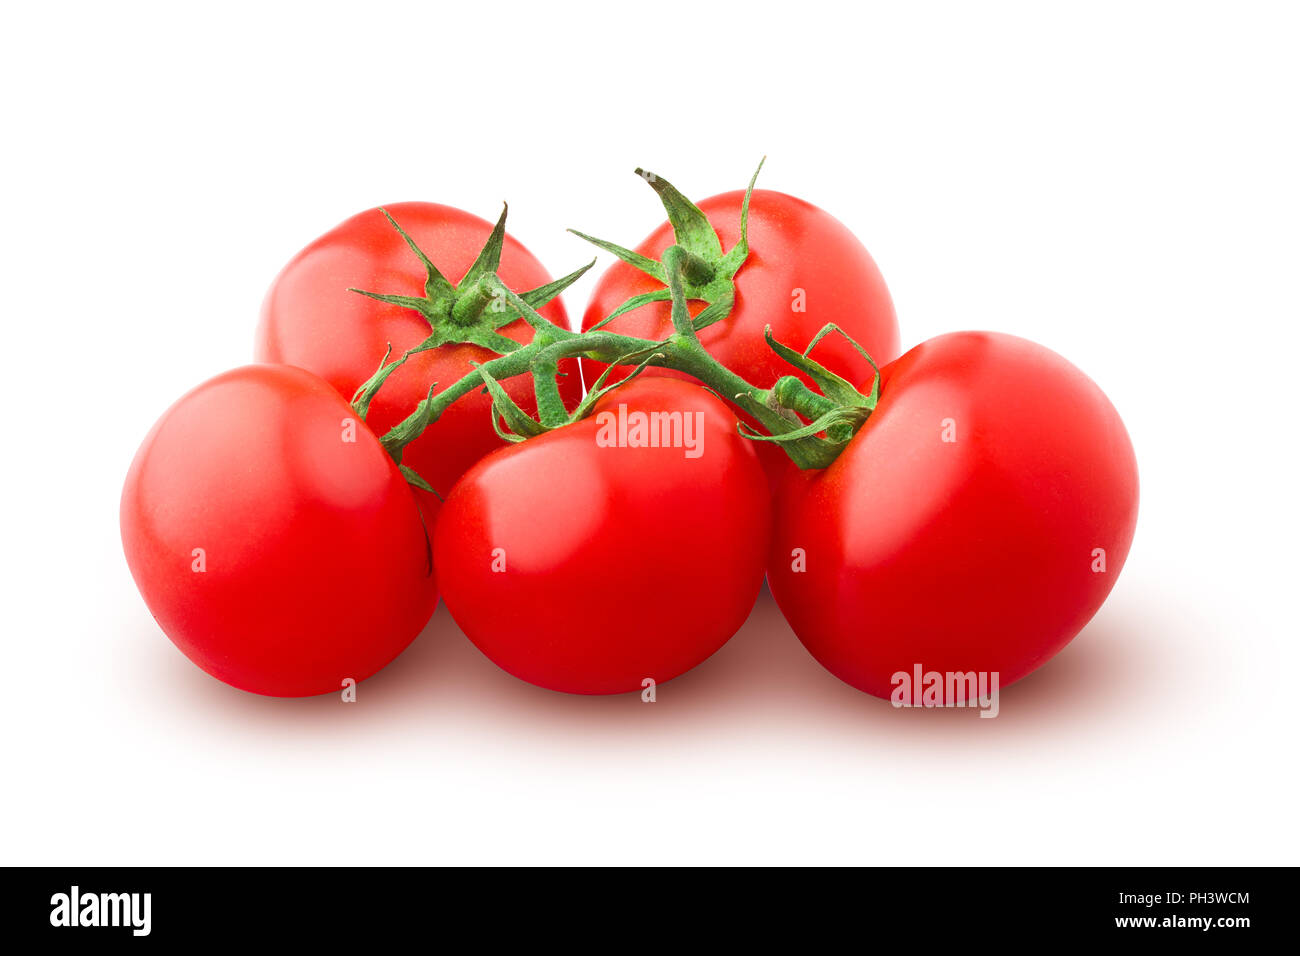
(804, 269)
(311, 319)
(273, 538)
(626, 546)
(976, 522)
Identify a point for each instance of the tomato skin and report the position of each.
(316, 564)
(311, 320)
(974, 554)
(621, 563)
(793, 245)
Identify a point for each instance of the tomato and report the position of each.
(976, 522)
(311, 320)
(273, 538)
(582, 565)
(804, 270)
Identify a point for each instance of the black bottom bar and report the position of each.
(646, 907)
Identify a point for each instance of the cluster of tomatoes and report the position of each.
(975, 521)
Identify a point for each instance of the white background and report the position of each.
(1118, 182)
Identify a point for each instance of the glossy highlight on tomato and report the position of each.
(273, 538)
(976, 522)
(311, 320)
(584, 565)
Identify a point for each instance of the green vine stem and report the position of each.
(775, 409)
(812, 427)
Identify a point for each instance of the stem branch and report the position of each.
(681, 351)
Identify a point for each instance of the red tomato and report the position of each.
(587, 568)
(800, 257)
(277, 546)
(311, 320)
(975, 523)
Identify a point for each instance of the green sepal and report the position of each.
(518, 422)
(366, 390)
(408, 429)
(713, 312)
(691, 228)
(659, 295)
(545, 293)
(435, 284)
(413, 477)
(734, 259)
(405, 301)
(489, 257)
(834, 387)
(650, 267)
(830, 423)
(805, 447)
(755, 408)
(874, 397)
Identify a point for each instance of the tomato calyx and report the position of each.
(839, 410)
(472, 311)
(708, 273)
